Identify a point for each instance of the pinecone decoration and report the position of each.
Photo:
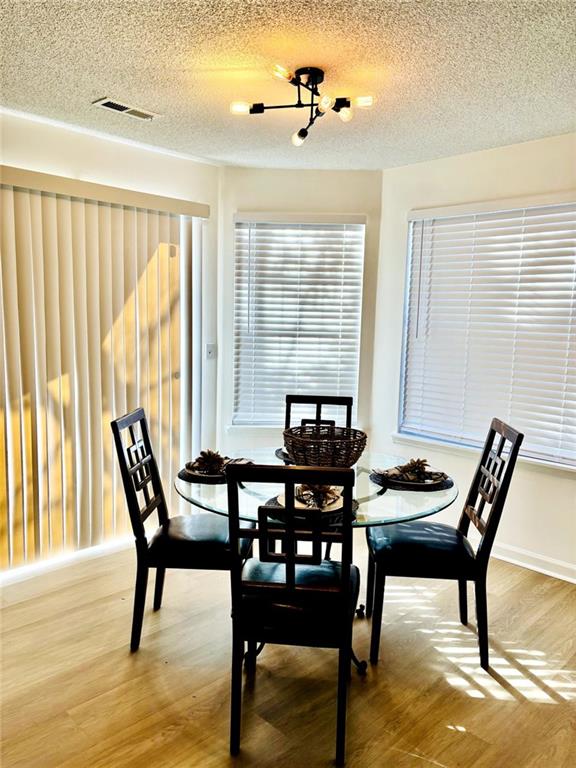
(316, 496)
(209, 462)
(415, 469)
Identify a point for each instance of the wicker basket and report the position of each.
(321, 445)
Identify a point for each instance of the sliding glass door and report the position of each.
(90, 327)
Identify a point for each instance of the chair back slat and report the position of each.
(288, 526)
(318, 401)
(140, 475)
(154, 504)
(476, 519)
(270, 531)
(489, 488)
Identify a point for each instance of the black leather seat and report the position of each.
(436, 551)
(201, 538)
(310, 617)
(423, 549)
(195, 541)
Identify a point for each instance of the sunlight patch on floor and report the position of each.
(515, 673)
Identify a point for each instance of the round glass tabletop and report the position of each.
(376, 506)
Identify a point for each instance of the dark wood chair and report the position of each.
(437, 551)
(318, 401)
(288, 597)
(192, 541)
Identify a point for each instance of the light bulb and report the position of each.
(282, 72)
(345, 114)
(326, 103)
(299, 137)
(240, 108)
(364, 102)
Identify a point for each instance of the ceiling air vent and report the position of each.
(118, 106)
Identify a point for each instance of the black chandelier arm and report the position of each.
(258, 108)
(313, 119)
(286, 106)
(315, 113)
(312, 88)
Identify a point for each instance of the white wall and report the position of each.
(282, 191)
(538, 527)
(46, 147)
(539, 524)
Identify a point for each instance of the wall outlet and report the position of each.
(211, 351)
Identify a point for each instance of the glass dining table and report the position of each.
(376, 505)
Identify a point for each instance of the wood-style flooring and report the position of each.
(74, 697)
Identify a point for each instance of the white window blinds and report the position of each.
(491, 328)
(90, 316)
(297, 302)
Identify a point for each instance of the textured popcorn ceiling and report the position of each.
(450, 76)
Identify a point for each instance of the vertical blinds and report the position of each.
(89, 329)
(297, 310)
(491, 328)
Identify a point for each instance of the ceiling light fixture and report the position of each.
(364, 102)
(306, 79)
(240, 108)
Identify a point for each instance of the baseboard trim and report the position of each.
(23, 572)
(549, 566)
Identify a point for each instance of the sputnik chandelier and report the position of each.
(306, 79)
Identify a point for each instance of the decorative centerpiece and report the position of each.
(326, 498)
(208, 462)
(324, 445)
(415, 475)
(208, 467)
(415, 471)
(316, 496)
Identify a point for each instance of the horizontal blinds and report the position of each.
(491, 328)
(297, 310)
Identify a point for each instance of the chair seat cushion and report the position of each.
(423, 549)
(194, 541)
(309, 615)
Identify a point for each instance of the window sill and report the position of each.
(254, 428)
(447, 447)
(263, 429)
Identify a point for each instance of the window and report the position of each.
(297, 301)
(490, 328)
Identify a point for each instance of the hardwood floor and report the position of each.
(74, 697)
